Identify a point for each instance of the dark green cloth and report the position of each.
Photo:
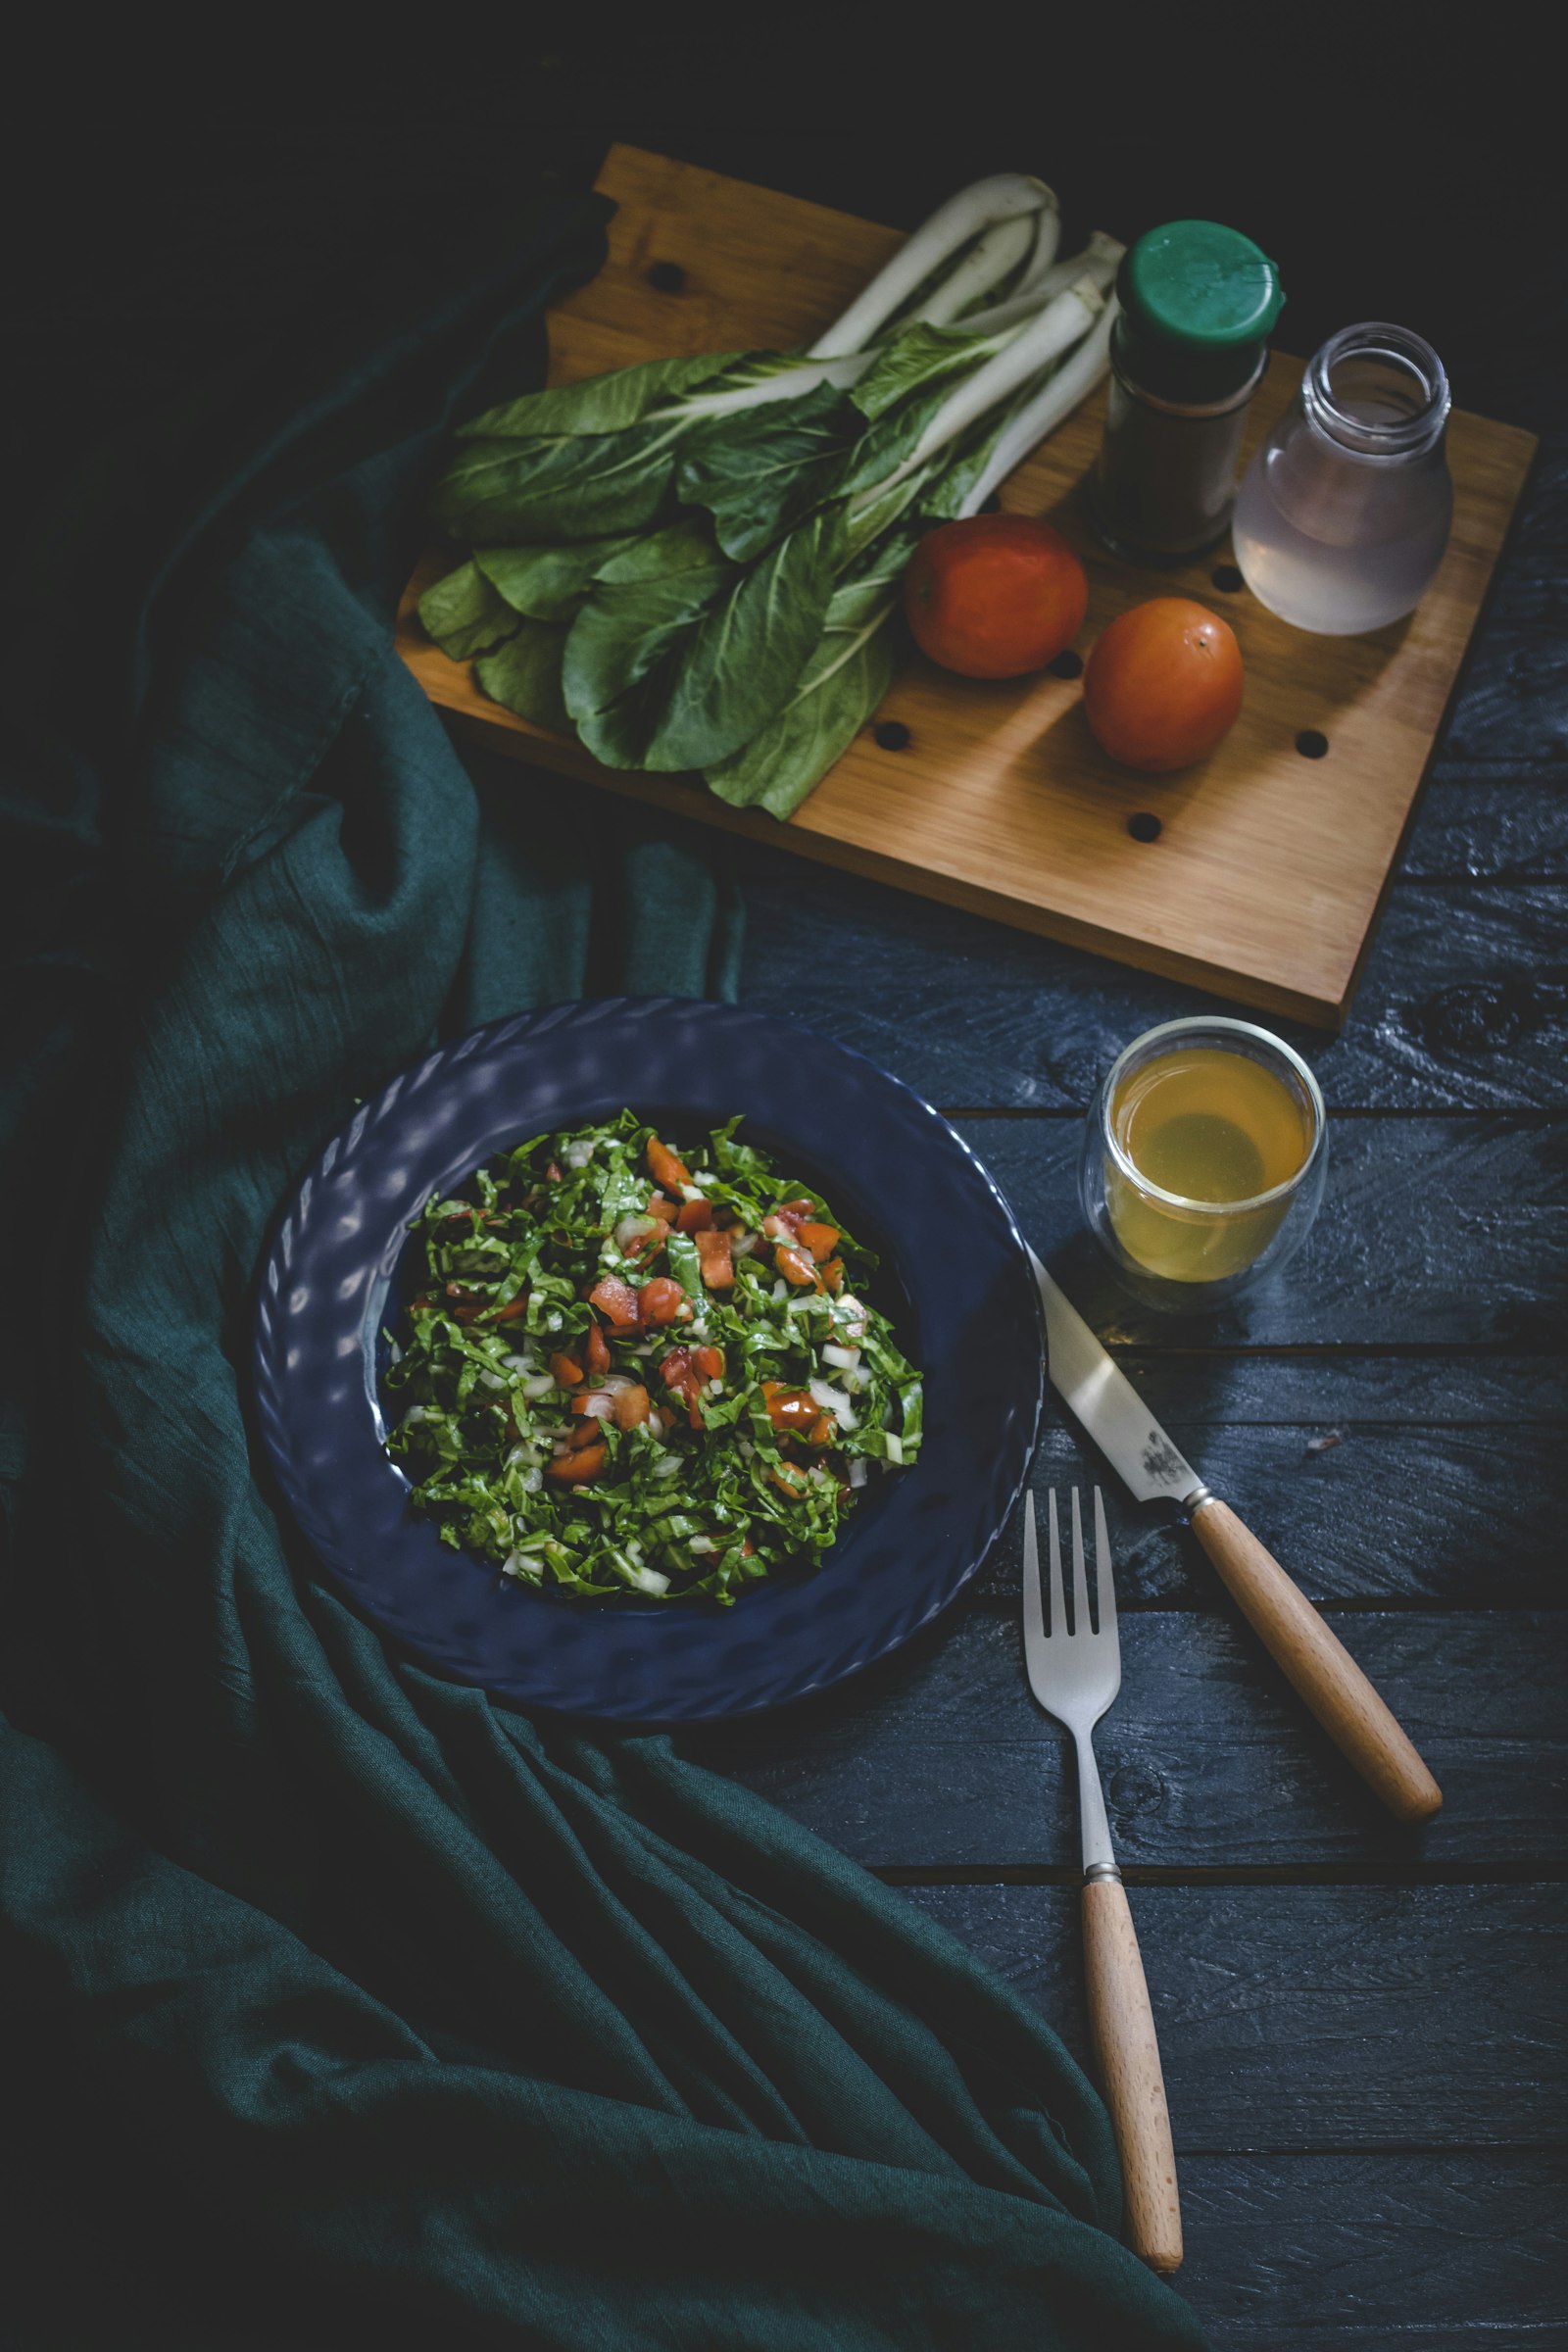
(343, 2005)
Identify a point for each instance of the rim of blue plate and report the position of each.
(891, 1167)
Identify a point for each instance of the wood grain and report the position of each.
(940, 1759)
(1464, 1005)
(1378, 2253)
(1127, 2059)
(1266, 878)
(1284, 2012)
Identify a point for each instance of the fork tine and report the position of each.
(1080, 1582)
(1033, 1614)
(1058, 1604)
(1105, 1579)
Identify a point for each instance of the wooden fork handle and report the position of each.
(1128, 2057)
(1321, 1668)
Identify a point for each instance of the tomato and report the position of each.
(715, 1254)
(663, 1300)
(995, 595)
(668, 1170)
(631, 1407)
(695, 1216)
(616, 1299)
(1164, 685)
(659, 1206)
(597, 1352)
(797, 1267)
(790, 1408)
(820, 1238)
(565, 1371)
(576, 1469)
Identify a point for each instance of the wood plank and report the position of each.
(1504, 822)
(940, 1759)
(1464, 1005)
(1269, 870)
(1455, 1518)
(1441, 1232)
(1378, 2253)
(1285, 2013)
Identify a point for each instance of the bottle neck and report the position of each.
(1378, 392)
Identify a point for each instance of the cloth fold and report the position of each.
(343, 2001)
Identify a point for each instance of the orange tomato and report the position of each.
(1164, 684)
(995, 595)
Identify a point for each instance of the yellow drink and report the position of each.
(1221, 1133)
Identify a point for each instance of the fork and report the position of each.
(1076, 1673)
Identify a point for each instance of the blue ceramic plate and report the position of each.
(955, 1278)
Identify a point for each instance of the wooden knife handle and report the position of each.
(1319, 1665)
(1128, 2057)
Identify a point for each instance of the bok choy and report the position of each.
(695, 563)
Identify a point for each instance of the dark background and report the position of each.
(159, 225)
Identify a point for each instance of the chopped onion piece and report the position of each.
(832, 1400)
(857, 1470)
(843, 1359)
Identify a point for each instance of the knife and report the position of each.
(1313, 1659)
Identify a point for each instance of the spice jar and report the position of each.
(1187, 352)
(1345, 509)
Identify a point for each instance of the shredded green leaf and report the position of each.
(584, 1399)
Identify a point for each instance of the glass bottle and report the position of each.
(1188, 350)
(1344, 512)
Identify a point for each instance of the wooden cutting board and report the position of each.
(1268, 865)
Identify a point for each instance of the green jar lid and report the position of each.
(1198, 304)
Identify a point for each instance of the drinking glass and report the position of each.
(1242, 1113)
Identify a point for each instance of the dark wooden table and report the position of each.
(1362, 2030)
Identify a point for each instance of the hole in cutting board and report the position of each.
(1144, 828)
(1311, 744)
(667, 278)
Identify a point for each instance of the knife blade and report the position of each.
(1103, 1399)
(1107, 1404)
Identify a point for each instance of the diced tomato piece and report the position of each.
(695, 1216)
(659, 1206)
(576, 1469)
(679, 1373)
(797, 1267)
(709, 1362)
(631, 1407)
(668, 1170)
(463, 1305)
(819, 1239)
(789, 1481)
(663, 1300)
(596, 1403)
(790, 1408)
(748, 1548)
(416, 1306)
(715, 1255)
(646, 1245)
(616, 1299)
(565, 1372)
(511, 1310)
(586, 1432)
(665, 1417)
(833, 1275)
(553, 1173)
(821, 1429)
(597, 1352)
(795, 1213)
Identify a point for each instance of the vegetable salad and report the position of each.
(636, 1370)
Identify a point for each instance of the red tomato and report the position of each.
(616, 1299)
(661, 1300)
(1164, 685)
(576, 1469)
(597, 1352)
(631, 1407)
(715, 1255)
(668, 1170)
(995, 595)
